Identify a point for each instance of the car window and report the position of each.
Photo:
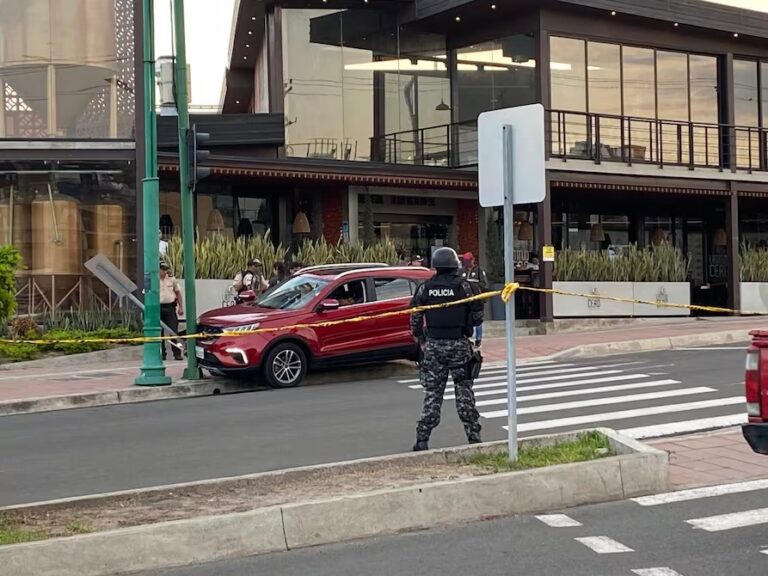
(293, 294)
(349, 293)
(391, 288)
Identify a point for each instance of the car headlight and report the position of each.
(238, 330)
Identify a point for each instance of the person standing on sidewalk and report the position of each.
(479, 282)
(171, 307)
(446, 345)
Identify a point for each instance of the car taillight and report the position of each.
(752, 381)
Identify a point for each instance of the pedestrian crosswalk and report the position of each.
(638, 398)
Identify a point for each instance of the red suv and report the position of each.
(313, 296)
(756, 384)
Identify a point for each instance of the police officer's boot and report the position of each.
(420, 446)
(474, 439)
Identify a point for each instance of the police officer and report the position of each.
(447, 346)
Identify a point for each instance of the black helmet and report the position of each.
(445, 258)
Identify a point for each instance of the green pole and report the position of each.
(152, 367)
(192, 371)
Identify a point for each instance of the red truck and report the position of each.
(756, 382)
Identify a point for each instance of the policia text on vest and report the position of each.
(447, 346)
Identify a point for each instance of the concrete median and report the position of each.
(633, 470)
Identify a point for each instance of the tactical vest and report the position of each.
(449, 323)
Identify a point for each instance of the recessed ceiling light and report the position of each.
(613, 12)
(253, 17)
(245, 57)
(247, 45)
(458, 18)
(677, 24)
(735, 34)
(250, 33)
(493, 6)
(237, 101)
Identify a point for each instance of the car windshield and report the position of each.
(293, 294)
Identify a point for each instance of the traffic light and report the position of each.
(197, 154)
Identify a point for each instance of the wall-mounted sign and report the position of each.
(548, 253)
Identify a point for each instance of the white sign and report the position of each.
(528, 163)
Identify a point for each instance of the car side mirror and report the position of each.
(247, 296)
(329, 305)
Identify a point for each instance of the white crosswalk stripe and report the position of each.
(650, 402)
(698, 493)
(558, 521)
(604, 545)
(730, 521)
(662, 571)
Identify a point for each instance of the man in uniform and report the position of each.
(171, 304)
(447, 346)
(479, 282)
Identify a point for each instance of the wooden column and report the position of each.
(544, 237)
(732, 231)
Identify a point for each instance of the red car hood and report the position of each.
(242, 315)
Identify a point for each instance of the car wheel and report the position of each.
(285, 366)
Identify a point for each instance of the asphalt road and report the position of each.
(656, 541)
(94, 450)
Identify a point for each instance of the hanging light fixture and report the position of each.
(596, 233)
(215, 222)
(525, 231)
(721, 238)
(301, 223)
(658, 237)
(442, 107)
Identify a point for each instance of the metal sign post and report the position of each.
(509, 138)
(509, 274)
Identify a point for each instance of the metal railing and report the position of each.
(596, 137)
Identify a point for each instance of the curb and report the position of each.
(636, 470)
(654, 344)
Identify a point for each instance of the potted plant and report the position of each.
(655, 274)
(753, 270)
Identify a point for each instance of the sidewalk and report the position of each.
(715, 458)
(494, 349)
(91, 377)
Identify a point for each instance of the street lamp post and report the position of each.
(192, 371)
(152, 367)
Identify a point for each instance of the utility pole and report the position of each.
(192, 372)
(152, 367)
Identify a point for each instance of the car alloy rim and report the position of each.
(286, 367)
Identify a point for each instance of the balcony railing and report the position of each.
(595, 137)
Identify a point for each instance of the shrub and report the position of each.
(128, 318)
(24, 328)
(18, 351)
(10, 261)
(662, 263)
(753, 263)
(82, 347)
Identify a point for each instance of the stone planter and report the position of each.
(576, 306)
(754, 297)
(673, 292)
(211, 294)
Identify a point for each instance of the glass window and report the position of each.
(764, 92)
(672, 98)
(294, 294)
(640, 100)
(568, 92)
(604, 73)
(703, 78)
(391, 288)
(349, 293)
(66, 73)
(496, 74)
(746, 106)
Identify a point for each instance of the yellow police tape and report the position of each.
(506, 295)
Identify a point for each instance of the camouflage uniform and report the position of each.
(444, 356)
